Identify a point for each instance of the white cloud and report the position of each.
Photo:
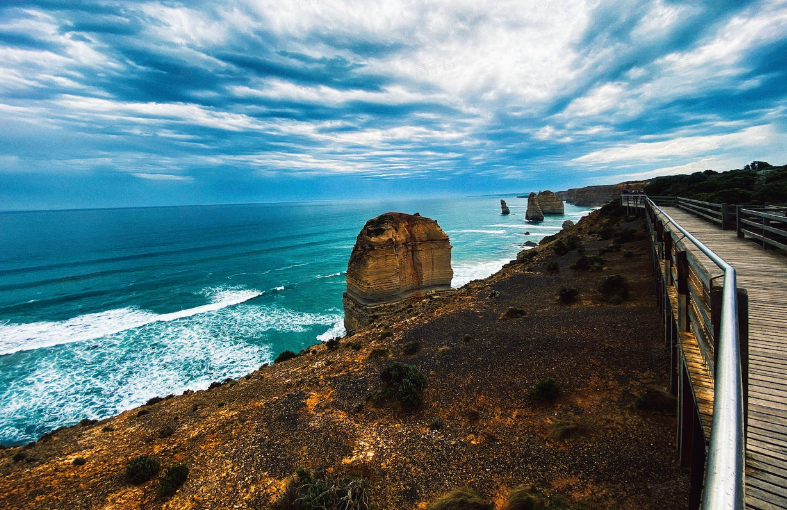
(162, 177)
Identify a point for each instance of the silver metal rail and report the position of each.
(724, 481)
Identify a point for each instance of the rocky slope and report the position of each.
(483, 350)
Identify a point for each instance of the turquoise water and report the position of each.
(101, 310)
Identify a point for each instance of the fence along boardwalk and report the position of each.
(764, 274)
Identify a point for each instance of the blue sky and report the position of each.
(145, 103)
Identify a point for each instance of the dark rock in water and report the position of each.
(567, 223)
(533, 212)
(504, 207)
(530, 244)
(550, 203)
(396, 257)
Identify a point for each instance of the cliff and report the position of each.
(504, 207)
(479, 424)
(550, 203)
(533, 212)
(596, 196)
(395, 256)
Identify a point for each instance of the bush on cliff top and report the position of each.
(284, 356)
(171, 480)
(308, 490)
(141, 469)
(545, 390)
(461, 499)
(403, 382)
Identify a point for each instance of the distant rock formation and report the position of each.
(396, 257)
(504, 207)
(550, 203)
(533, 212)
(567, 223)
(595, 196)
(529, 244)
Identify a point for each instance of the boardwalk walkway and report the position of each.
(763, 274)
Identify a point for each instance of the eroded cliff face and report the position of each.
(396, 256)
(533, 212)
(550, 203)
(594, 196)
(504, 207)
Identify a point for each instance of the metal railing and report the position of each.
(763, 225)
(724, 481)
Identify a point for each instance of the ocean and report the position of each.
(100, 310)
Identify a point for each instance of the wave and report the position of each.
(466, 272)
(478, 231)
(39, 335)
(336, 330)
(332, 275)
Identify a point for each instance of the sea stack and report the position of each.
(396, 258)
(550, 203)
(504, 207)
(533, 212)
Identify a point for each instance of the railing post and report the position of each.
(743, 341)
(697, 462)
(724, 217)
(715, 318)
(738, 221)
(682, 266)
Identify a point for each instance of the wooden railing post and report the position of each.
(715, 318)
(682, 266)
(738, 221)
(743, 339)
(725, 220)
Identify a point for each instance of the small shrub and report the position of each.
(386, 333)
(284, 356)
(610, 248)
(108, 428)
(312, 491)
(553, 267)
(214, 384)
(143, 412)
(79, 461)
(568, 295)
(512, 313)
(411, 347)
(356, 346)
(379, 353)
(589, 263)
(460, 499)
(221, 404)
(563, 429)
(141, 469)
(404, 382)
(435, 423)
(166, 431)
(171, 480)
(628, 254)
(522, 498)
(154, 400)
(19, 457)
(615, 288)
(657, 400)
(87, 422)
(333, 343)
(468, 338)
(545, 390)
(358, 407)
(625, 236)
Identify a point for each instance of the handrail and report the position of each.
(724, 482)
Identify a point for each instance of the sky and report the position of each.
(106, 104)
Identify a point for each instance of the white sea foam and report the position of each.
(479, 231)
(336, 330)
(279, 288)
(465, 272)
(38, 335)
(332, 275)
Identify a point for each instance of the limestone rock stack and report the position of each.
(533, 212)
(504, 207)
(550, 203)
(396, 257)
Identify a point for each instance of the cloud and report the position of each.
(455, 95)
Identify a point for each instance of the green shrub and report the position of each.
(86, 422)
(19, 457)
(141, 469)
(166, 431)
(563, 429)
(460, 499)
(379, 353)
(468, 337)
(310, 491)
(512, 313)
(545, 390)
(142, 412)
(79, 461)
(562, 247)
(589, 263)
(214, 384)
(522, 498)
(356, 346)
(358, 407)
(435, 423)
(411, 347)
(386, 333)
(553, 267)
(611, 248)
(284, 356)
(625, 236)
(568, 295)
(171, 480)
(615, 288)
(333, 343)
(154, 400)
(403, 382)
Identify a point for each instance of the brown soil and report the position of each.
(243, 440)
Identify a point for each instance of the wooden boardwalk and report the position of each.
(763, 274)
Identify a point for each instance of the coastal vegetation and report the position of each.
(756, 183)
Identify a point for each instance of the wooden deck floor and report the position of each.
(764, 275)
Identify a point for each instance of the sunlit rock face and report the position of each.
(396, 257)
(550, 203)
(533, 212)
